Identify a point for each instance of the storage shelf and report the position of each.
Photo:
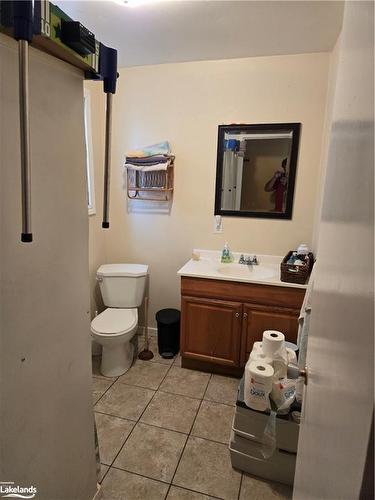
(155, 182)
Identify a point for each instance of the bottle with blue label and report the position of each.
(292, 258)
(226, 256)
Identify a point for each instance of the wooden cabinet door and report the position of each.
(211, 330)
(257, 318)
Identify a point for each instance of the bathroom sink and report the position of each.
(256, 272)
(209, 266)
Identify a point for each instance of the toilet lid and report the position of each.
(115, 321)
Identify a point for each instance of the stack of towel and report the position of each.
(150, 158)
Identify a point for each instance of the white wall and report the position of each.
(332, 77)
(184, 103)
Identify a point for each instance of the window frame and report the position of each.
(89, 155)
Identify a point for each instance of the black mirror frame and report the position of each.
(296, 129)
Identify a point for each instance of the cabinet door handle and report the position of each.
(244, 315)
(237, 314)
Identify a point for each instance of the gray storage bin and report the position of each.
(246, 456)
(251, 424)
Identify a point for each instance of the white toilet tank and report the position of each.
(122, 285)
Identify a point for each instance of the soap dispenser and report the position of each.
(226, 256)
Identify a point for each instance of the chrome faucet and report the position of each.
(250, 260)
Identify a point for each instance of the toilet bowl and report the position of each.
(113, 329)
(122, 287)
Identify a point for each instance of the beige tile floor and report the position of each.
(163, 434)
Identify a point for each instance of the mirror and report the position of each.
(256, 170)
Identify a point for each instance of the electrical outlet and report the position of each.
(218, 224)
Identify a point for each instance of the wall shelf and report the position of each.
(155, 185)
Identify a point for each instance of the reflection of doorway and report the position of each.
(232, 177)
(261, 159)
(229, 189)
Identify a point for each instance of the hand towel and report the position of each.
(148, 168)
(162, 148)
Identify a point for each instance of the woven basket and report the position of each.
(291, 273)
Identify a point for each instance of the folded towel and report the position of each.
(148, 160)
(148, 168)
(162, 148)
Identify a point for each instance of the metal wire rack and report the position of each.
(156, 185)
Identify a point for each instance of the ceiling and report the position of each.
(178, 31)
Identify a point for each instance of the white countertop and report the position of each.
(267, 272)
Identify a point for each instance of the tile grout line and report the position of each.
(164, 428)
(138, 421)
(187, 438)
(165, 483)
(153, 361)
(116, 467)
(178, 394)
(135, 424)
(96, 402)
(188, 435)
(93, 410)
(133, 385)
(114, 416)
(106, 472)
(164, 391)
(195, 491)
(143, 386)
(220, 403)
(239, 489)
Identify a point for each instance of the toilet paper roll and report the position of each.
(258, 385)
(262, 374)
(260, 356)
(257, 346)
(272, 342)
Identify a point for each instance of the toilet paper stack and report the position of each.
(266, 371)
(258, 385)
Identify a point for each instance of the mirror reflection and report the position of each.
(256, 170)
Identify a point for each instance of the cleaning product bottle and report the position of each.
(292, 258)
(303, 249)
(226, 256)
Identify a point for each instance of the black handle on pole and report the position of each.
(108, 71)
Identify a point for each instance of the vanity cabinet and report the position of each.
(221, 323)
(220, 320)
(257, 318)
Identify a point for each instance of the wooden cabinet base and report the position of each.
(204, 366)
(221, 320)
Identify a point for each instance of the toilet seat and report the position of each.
(114, 322)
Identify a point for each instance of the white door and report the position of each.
(46, 413)
(338, 404)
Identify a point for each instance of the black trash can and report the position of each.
(168, 321)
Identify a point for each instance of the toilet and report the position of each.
(122, 287)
